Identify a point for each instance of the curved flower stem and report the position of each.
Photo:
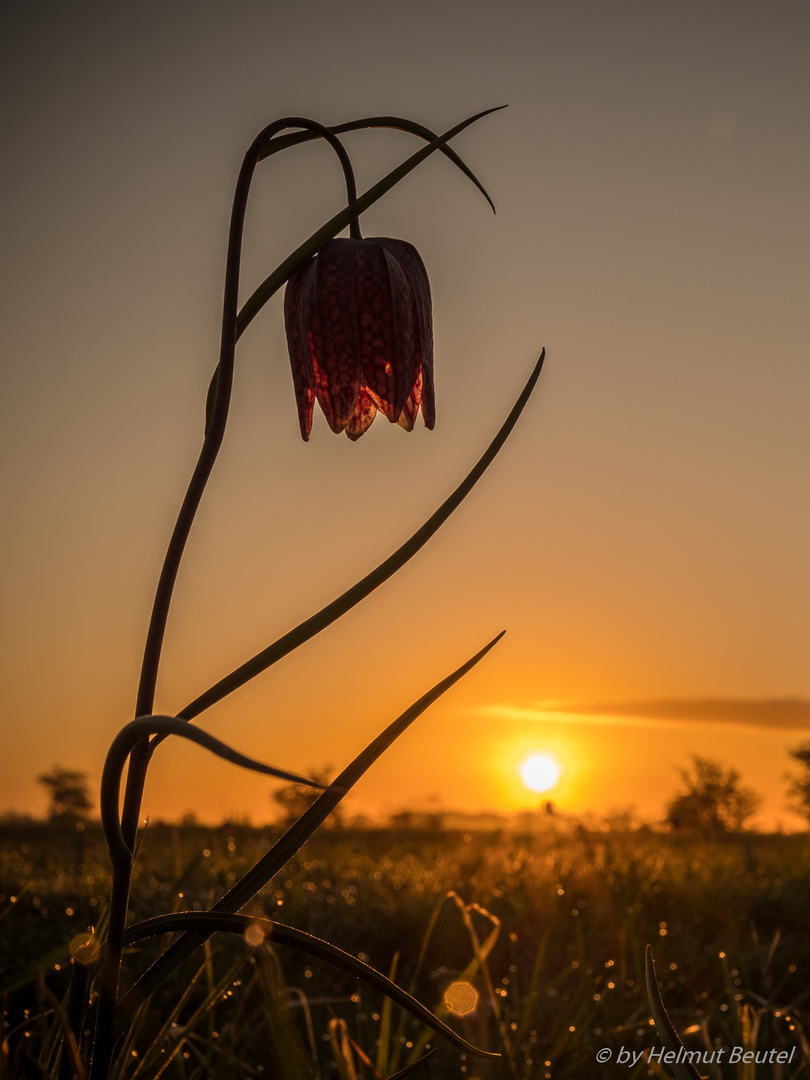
(216, 430)
(139, 760)
(212, 442)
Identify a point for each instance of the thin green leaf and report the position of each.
(398, 123)
(286, 846)
(173, 1035)
(476, 964)
(141, 728)
(210, 922)
(329, 614)
(684, 1070)
(339, 222)
(384, 1036)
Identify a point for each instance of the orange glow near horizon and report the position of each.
(629, 565)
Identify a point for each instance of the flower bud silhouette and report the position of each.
(359, 328)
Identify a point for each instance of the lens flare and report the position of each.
(461, 998)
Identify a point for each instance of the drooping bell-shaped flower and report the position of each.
(360, 335)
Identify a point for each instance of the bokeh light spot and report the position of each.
(461, 998)
(254, 935)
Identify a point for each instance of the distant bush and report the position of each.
(714, 801)
(69, 792)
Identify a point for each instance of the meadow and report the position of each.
(537, 942)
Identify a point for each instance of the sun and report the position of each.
(539, 772)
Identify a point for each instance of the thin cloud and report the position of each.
(788, 714)
(557, 712)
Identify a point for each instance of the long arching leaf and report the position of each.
(398, 123)
(327, 615)
(141, 728)
(212, 921)
(271, 284)
(286, 846)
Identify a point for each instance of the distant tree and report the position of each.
(294, 799)
(69, 792)
(16, 817)
(713, 802)
(421, 820)
(621, 819)
(799, 788)
(402, 819)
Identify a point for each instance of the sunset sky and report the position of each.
(643, 538)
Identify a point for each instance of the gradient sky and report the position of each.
(644, 535)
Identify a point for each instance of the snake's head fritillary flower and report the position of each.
(360, 335)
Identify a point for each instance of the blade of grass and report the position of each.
(684, 1070)
(69, 1041)
(292, 1060)
(532, 993)
(170, 1029)
(384, 1040)
(209, 922)
(399, 1040)
(414, 1065)
(477, 964)
(156, 1057)
(284, 848)
(341, 1049)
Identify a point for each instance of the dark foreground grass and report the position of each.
(549, 931)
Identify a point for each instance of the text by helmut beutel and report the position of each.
(729, 1054)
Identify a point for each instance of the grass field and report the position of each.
(549, 931)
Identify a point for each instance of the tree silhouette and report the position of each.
(294, 799)
(69, 793)
(799, 788)
(714, 801)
